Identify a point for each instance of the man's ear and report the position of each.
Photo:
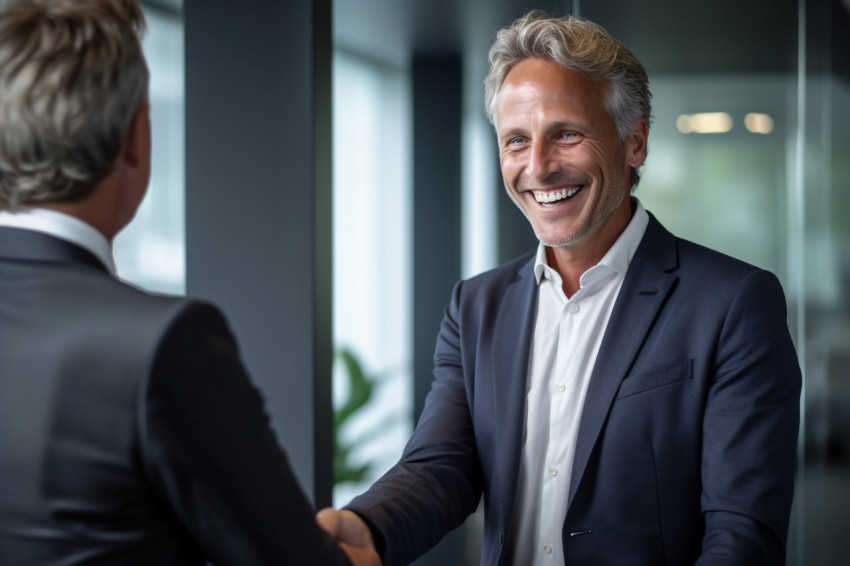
(636, 147)
(137, 141)
(134, 168)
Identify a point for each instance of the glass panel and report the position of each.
(823, 482)
(150, 251)
(372, 281)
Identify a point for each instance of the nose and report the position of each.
(541, 161)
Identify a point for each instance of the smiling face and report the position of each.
(561, 160)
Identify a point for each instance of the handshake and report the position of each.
(352, 533)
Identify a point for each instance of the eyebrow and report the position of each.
(511, 133)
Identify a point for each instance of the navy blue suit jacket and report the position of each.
(686, 447)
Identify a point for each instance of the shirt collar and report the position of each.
(64, 227)
(619, 255)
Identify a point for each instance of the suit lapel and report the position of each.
(646, 286)
(513, 331)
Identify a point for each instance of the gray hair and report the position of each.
(72, 75)
(580, 46)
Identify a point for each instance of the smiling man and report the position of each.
(621, 396)
(564, 165)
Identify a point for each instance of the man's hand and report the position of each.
(353, 534)
(361, 556)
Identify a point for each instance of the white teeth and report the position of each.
(555, 196)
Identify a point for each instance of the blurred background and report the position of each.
(324, 170)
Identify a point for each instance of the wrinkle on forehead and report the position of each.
(535, 88)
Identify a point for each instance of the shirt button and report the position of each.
(561, 387)
(547, 548)
(573, 307)
(553, 471)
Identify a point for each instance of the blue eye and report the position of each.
(569, 137)
(515, 141)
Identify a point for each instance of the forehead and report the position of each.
(539, 86)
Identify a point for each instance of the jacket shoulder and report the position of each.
(504, 274)
(713, 269)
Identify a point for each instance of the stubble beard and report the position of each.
(610, 202)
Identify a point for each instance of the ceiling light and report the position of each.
(704, 123)
(758, 123)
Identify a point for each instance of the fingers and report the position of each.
(353, 535)
(361, 556)
(346, 526)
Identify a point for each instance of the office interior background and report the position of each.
(324, 171)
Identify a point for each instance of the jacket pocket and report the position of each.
(655, 378)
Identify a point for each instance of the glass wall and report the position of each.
(150, 251)
(819, 259)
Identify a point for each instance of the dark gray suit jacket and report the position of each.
(129, 431)
(686, 448)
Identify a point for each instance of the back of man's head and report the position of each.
(72, 75)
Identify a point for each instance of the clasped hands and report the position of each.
(352, 533)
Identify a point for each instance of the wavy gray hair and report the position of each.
(582, 47)
(72, 75)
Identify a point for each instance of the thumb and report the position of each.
(329, 520)
(346, 526)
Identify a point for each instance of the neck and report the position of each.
(573, 260)
(91, 211)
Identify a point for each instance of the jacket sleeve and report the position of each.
(750, 431)
(209, 450)
(437, 483)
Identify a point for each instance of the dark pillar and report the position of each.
(258, 228)
(436, 206)
(436, 233)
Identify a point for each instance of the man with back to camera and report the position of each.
(620, 397)
(129, 430)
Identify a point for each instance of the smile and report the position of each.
(556, 196)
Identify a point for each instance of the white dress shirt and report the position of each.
(567, 334)
(64, 227)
